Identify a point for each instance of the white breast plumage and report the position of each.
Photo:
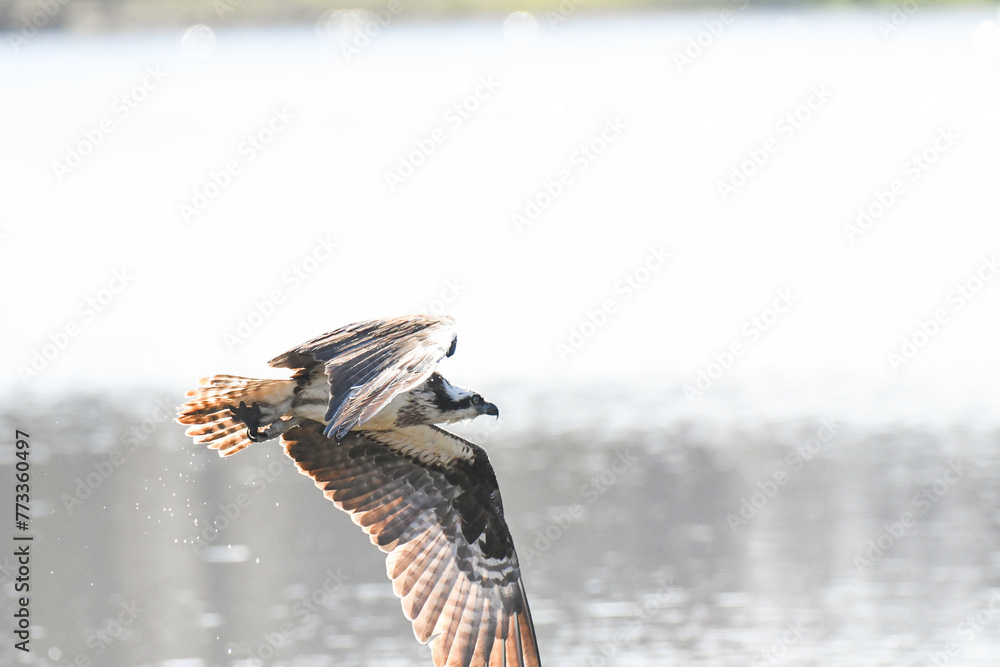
(434, 446)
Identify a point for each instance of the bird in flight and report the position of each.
(360, 416)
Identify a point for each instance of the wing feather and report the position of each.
(425, 622)
(424, 584)
(464, 647)
(450, 555)
(487, 636)
(450, 622)
(368, 363)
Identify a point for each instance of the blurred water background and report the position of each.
(808, 500)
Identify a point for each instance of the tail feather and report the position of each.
(209, 409)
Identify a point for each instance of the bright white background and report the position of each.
(687, 126)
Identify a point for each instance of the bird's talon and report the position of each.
(251, 417)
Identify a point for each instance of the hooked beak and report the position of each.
(490, 409)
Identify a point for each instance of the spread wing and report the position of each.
(430, 500)
(368, 363)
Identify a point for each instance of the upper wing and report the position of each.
(368, 363)
(451, 558)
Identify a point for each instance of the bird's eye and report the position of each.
(477, 399)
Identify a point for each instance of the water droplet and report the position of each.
(198, 42)
(520, 29)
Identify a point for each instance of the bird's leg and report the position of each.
(251, 417)
(274, 429)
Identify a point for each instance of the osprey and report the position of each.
(359, 416)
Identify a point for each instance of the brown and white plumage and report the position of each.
(439, 517)
(358, 416)
(369, 363)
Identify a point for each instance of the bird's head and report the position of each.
(454, 403)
